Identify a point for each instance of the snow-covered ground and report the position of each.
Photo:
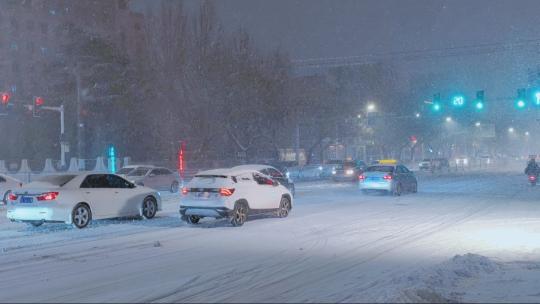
(463, 237)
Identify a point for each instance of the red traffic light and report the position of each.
(39, 101)
(5, 98)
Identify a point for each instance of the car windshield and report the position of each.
(124, 170)
(56, 180)
(139, 172)
(385, 169)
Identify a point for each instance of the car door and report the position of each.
(411, 179)
(99, 195)
(125, 202)
(269, 196)
(151, 179)
(248, 189)
(403, 177)
(166, 179)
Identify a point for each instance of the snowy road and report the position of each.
(336, 245)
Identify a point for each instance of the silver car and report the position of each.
(394, 179)
(157, 178)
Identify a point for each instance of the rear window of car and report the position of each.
(210, 179)
(124, 170)
(386, 169)
(139, 172)
(56, 180)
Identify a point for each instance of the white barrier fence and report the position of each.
(25, 174)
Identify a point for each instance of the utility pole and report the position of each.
(79, 123)
(297, 143)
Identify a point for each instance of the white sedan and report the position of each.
(80, 198)
(235, 194)
(8, 184)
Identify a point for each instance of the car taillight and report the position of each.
(185, 191)
(226, 191)
(12, 197)
(532, 177)
(388, 177)
(48, 196)
(361, 178)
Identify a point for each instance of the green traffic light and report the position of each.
(479, 105)
(436, 107)
(520, 104)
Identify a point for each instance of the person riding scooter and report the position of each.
(532, 170)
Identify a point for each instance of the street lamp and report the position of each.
(527, 133)
(477, 124)
(511, 130)
(448, 119)
(417, 115)
(371, 107)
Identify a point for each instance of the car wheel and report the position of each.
(397, 192)
(239, 214)
(149, 208)
(192, 219)
(175, 186)
(6, 195)
(415, 188)
(36, 224)
(81, 216)
(284, 207)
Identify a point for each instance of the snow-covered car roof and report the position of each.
(227, 171)
(252, 167)
(138, 166)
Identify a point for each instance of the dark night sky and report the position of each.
(328, 28)
(336, 28)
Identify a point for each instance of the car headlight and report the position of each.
(320, 168)
(334, 172)
(349, 172)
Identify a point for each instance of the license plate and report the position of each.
(203, 194)
(27, 200)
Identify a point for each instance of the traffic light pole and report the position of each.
(59, 109)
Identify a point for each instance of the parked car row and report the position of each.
(232, 193)
(78, 199)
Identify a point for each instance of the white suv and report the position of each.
(234, 194)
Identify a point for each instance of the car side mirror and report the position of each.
(132, 185)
